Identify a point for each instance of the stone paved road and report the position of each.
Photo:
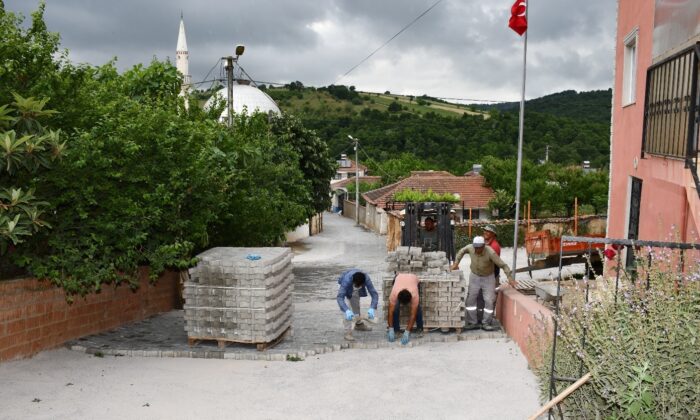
(317, 325)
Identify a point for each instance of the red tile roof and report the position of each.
(470, 188)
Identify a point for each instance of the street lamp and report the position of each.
(357, 181)
(229, 76)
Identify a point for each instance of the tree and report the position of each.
(25, 148)
(314, 159)
(394, 107)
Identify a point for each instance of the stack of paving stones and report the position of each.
(442, 292)
(232, 298)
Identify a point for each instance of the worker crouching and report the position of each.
(352, 285)
(404, 291)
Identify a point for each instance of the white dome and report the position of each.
(245, 97)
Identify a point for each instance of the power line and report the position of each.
(375, 162)
(390, 39)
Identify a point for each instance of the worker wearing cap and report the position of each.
(490, 239)
(483, 259)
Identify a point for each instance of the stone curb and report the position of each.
(283, 356)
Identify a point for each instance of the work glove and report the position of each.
(370, 313)
(349, 314)
(405, 338)
(390, 337)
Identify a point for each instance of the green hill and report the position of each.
(449, 136)
(341, 101)
(594, 105)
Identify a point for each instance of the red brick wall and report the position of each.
(35, 316)
(526, 322)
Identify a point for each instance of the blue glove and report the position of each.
(253, 257)
(405, 338)
(390, 335)
(370, 313)
(349, 314)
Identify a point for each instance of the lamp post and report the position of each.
(229, 78)
(357, 181)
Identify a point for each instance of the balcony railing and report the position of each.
(671, 109)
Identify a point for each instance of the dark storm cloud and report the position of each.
(461, 47)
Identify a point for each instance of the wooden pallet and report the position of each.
(222, 342)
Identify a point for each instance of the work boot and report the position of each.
(361, 326)
(470, 327)
(349, 337)
(488, 327)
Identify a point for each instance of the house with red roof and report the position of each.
(470, 191)
(347, 168)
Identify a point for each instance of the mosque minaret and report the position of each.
(183, 57)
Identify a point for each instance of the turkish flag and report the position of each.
(518, 17)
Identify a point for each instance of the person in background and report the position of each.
(404, 291)
(481, 278)
(352, 285)
(430, 234)
(490, 239)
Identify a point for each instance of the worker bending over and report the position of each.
(354, 284)
(404, 291)
(481, 279)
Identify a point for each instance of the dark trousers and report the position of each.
(419, 317)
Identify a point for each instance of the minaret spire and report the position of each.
(182, 54)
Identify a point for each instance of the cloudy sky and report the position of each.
(461, 48)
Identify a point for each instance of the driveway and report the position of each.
(468, 375)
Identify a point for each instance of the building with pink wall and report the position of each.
(654, 185)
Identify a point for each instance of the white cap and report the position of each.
(478, 241)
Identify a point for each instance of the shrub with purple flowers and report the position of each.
(641, 346)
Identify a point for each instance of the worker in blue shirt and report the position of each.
(352, 285)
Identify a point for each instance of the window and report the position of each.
(669, 108)
(629, 75)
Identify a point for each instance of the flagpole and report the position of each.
(520, 151)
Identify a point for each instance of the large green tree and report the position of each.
(145, 180)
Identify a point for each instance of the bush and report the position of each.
(427, 196)
(643, 351)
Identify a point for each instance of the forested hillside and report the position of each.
(593, 105)
(447, 136)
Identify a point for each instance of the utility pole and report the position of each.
(546, 153)
(357, 180)
(229, 78)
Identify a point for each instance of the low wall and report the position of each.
(524, 320)
(35, 316)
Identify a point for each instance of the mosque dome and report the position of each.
(245, 97)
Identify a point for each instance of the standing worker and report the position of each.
(481, 278)
(354, 284)
(490, 239)
(404, 291)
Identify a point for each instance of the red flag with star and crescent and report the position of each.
(518, 17)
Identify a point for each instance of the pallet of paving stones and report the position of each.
(240, 295)
(442, 292)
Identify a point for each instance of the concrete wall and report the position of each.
(35, 316)
(670, 202)
(313, 227)
(526, 322)
(371, 217)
